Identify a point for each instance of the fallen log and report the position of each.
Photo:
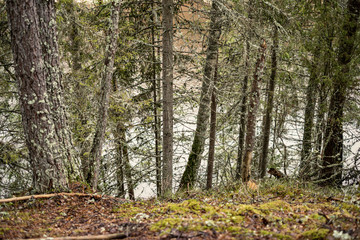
(14, 199)
(89, 237)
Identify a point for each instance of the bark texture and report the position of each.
(96, 149)
(168, 8)
(252, 111)
(242, 124)
(48, 35)
(331, 172)
(43, 116)
(156, 96)
(269, 106)
(189, 176)
(211, 157)
(311, 91)
(124, 167)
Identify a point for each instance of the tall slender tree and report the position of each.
(269, 105)
(306, 151)
(156, 96)
(111, 46)
(168, 9)
(211, 157)
(252, 111)
(242, 124)
(189, 176)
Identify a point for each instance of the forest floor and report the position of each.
(274, 210)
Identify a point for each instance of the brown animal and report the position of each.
(276, 173)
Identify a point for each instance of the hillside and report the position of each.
(275, 210)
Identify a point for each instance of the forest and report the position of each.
(180, 119)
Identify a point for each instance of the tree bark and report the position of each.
(119, 160)
(311, 93)
(168, 8)
(37, 70)
(48, 33)
(96, 149)
(242, 124)
(252, 111)
(333, 150)
(322, 101)
(157, 126)
(269, 106)
(210, 166)
(189, 176)
(127, 165)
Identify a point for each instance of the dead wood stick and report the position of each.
(48, 196)
(106, 236)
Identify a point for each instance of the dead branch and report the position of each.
(89, 237)
(14, 199)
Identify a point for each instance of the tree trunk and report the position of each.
(333, 150)
(252, 111)
(269, 106)
(242, 124)
(189, 176)
(321, 110)
(43, 115)
(311, 93)
(48, 35)
(119, 163)
(210, 166)
(322, 102)
(80, 102)
(157, 126)
(167, 40)
(121, 134)
(96, 150)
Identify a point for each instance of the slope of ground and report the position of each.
(274, 211)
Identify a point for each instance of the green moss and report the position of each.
(275, 235)
(24, 216)
(127, 210)
(318, 217)
(282, 188)
(315, 234)
(244, 208)
(166, 223)
(237, 219)
(277, 205)
(350, 207)
(235, 229)
(189, 206)
(3, 230)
